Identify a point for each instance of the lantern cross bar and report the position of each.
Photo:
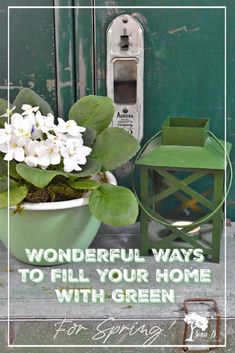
(182, 185)
(171, 189)
(190, 203)
(177, 233)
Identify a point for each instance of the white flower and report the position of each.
(44, 123)
(14, 149)
(70, 164)
(31, 158)
(82, 153)
(56, 139)
(69, 127)
(48, 152)
(68, 139)
(5, 134)
(29, 110)
(74, 154)
(35, 140)
(21, 127)
(42, 153)
(41, 124)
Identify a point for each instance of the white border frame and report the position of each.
(225, 136)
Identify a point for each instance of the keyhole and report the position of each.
(124, 42)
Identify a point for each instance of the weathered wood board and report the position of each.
(38, 302)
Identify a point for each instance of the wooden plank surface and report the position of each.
(39, 300)
(35, 310)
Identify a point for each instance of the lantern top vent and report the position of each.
(185, 131)
(185, 143)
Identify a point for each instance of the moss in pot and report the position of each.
(60, 186)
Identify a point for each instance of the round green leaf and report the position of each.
(3, 106)
(91, 168)
(28, 96)
(84, 184)
(95, 112)
(38, 177)
(113, 147)
(4, 183)
(12, 170)
(3, 120)
(41, 178)
(17, 194)
(114, 205)
(3, 166)
(89, 136)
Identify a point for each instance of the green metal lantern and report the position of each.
(183, 166)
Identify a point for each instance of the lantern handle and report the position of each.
(202, 220)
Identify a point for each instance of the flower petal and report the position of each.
(19, 154)
(26, 107)
(31, 161)
(68, 165)
(77, 168)
(84, 150)
(4, 148)
(81, 160)
(44, 162)
(9, 156)
(55, 158)
(16, 120)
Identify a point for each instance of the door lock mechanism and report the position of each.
(125, 70)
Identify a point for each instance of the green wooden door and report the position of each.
(32, 49)
(184, 62)
(61, 53)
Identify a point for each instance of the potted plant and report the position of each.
(60, 185)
